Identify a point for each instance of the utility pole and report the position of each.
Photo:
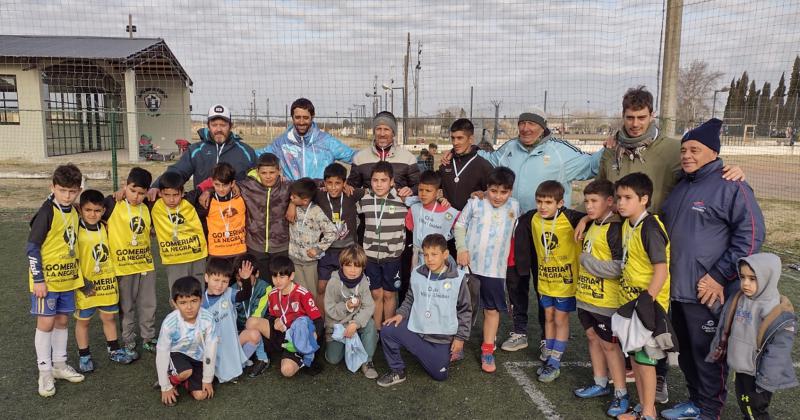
(545, 102)
(669, 74)
(405, 88)
(268, 121)
(417, 69)
(471, 91)
(286, 116)
(255, 115)
(496, 120)
(130, 29)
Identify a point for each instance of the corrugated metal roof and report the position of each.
(72, 46)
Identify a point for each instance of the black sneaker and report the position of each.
(392, 377)
(315, 368)
(258, 368)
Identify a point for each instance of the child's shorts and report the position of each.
(180, 362)
(493, 293)
(274, 347)
(566, 304)
(53, 304)
(601, 324)
(328, 263)
(384, 275)
(88, 313)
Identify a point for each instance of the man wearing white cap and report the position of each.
(217, 144)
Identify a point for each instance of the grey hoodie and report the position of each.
(750, 311)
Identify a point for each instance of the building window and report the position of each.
(9, 101)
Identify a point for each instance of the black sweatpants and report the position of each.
(753, 402)
(519, 290)
(695, 325)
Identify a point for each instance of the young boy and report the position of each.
(483, 239)
(226, 215)
(253, 312)
(384, 239)
(181, 240)
(426, 216)
(220, 301)
(645, 269)
(552, 227)
(289, 302)
(597, 294)
(341, 210)
(187, 345)
(54, 275)
(349, 304)
(434, 321)
(129, 241)
(266, 196)
(103, 294)
(757, 332)
(311, 234)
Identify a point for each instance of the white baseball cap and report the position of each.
(219, 111)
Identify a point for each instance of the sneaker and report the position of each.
(392, 377)
(592, 391)
(543, 353)
(85, 364)
(131, 353)
(67, 373)
(47, 384)
(258, 368)
(662, 393)
(619, 405)
(549, 374)
(683, 411)
(487, 363)
(119, 356)
(368, 369)
(150, 345)
(515, 342)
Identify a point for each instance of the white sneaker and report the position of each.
(47, 385)
(67, 373)
(515, 342)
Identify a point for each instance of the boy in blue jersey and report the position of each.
(54, 275)
(187, 345)
(483, 238)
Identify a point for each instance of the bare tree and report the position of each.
(696, 84)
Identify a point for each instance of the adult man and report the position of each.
(711, 223)
(404, 164)
(465, 172)
(303, 149)
(217, 144)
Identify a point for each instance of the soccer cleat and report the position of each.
(258, 368)
(515, 342)
(549, 374)
(120, 356)
(619, 405)
(150, 345)
(86, 364)
(131, 353)
(67, 373)
(368, 369)
(47, 384)
(682, 411)
(544, 354)
(592, 391)
(392, 377)
(487, 363)
(662, 393)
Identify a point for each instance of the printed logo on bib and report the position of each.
(69, 232)
(137, 225)
(176, 218)
(550, 240)
(100, 253)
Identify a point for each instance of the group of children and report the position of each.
(275, 270)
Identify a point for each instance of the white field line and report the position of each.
(515, 369)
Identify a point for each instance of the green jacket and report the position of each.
(662, 163)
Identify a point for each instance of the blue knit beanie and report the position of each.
(706, 133)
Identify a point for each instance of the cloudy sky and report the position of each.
(584, 53)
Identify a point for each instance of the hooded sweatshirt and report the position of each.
(750, 311)
(307, 155)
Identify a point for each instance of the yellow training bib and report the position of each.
(557, 255)
(60, 267)
(96, 266)
(638, 271)
(179, 232)
(600, 292)
(129, 239)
